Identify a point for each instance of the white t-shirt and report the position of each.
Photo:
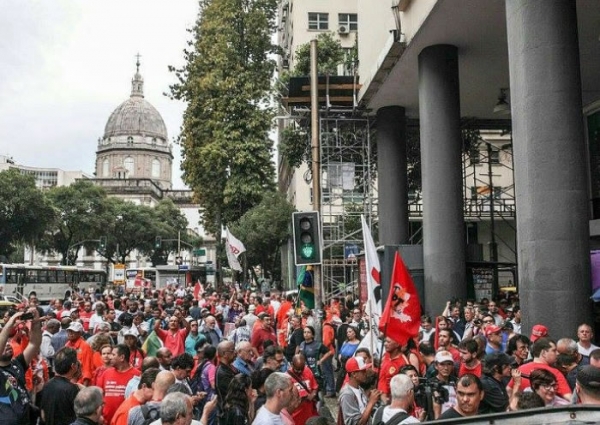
(389, 412)
(265, 417)
(586, 351)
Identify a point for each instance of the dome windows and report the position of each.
(155, 168)
(129, 165)
(130, 140)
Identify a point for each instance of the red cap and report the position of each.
(538, 331)
(492, 329)
(354, 364)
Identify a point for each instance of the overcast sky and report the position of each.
(65, 65)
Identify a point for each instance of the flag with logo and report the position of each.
(373, 273)
(306, 288)
(233, 247)
(401, 317)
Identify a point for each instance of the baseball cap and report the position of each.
(75, 327)
(497, 359)
(492, 329)
(252, 307)
(589, 377)
(354, 364)
(443, 356)
(537, 332)
(129, 332)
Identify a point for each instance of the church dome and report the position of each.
(136, 116)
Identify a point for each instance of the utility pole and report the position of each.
(493, 245)
(316, 173)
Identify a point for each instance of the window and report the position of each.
(130, 140)
(318, 21)
(349, 20)
(474, 156)
(155, 168)
(129, 166)
(105, 170)
(495, 156)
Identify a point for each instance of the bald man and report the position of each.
(307, 386)
(163, 381)
(243, 362)
(226, 370)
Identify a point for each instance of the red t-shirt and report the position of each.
(121, 415)
(390, 368)
(465, 369)
(261, 335)
(113, 384)
(307, 408)
(173, 341)
(527, 368)
(85, 318)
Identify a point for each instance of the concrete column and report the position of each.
(391, 175)
(550, 173)
(441, 166)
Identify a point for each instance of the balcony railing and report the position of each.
(476, 208)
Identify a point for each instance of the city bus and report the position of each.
(48, 282)
(163, 275)
(140, 277)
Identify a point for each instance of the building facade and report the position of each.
(447, 61)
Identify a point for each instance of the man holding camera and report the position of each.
(443, 383)
(16, 409)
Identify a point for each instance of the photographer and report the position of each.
(496, 369)
(443, 384)
(12, 378)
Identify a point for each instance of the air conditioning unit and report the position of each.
(343, 29)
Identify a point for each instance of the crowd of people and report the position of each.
(183, 356)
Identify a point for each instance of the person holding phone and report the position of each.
(12, 370)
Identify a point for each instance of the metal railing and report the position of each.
(476, 208)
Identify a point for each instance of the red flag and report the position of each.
(197, 289)
(401, 317)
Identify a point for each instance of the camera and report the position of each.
(477, 322)
(27, 316)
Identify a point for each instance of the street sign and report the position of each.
(199, 252)
(183, 267)
(119, 274)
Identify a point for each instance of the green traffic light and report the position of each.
(308, 251)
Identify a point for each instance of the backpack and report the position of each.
(394, 420)
(150, 413)
(196, 381)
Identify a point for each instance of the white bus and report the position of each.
(48, 282)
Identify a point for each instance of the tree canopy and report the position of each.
(24, 212)
(63, 219)
(264, 230)
(226, 82)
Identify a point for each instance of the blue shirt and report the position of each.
(243, 367)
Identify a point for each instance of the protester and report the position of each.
(278, 389)
(88, 407)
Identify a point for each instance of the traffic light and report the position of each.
(307, 238)
(157, 242)
(102, 244)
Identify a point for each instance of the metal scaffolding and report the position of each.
(347, 190)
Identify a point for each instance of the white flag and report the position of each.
(373, 273)
(233, 247)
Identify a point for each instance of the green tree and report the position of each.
(329, 55)
(80, 211)
(25, 212)
(170, 224)
(264, 230)
(226, 83)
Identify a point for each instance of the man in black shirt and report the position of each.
(295, 339)
(15, 410)
(59, 393)
(225, 371)
(496, 369)
(469, 393)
